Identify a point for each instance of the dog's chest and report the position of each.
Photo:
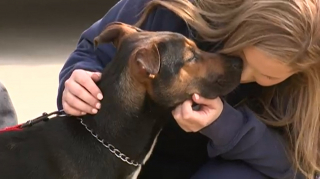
(136, 173)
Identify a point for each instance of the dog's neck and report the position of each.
(128, 119)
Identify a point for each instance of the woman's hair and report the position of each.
(286, 29)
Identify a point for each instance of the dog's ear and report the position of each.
(148, 60)
(114, 32)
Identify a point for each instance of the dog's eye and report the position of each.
(190, 56)
(192, 59)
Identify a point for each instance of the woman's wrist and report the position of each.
(225, 127)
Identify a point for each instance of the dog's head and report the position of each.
(169, 66)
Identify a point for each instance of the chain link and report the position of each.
(111, 148)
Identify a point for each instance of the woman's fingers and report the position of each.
(81, 94)
(74, 103)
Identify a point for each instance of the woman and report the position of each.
(8, 116)
(267, 128)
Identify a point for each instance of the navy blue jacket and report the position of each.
(236, 135)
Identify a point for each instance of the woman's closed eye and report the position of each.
(270, 77)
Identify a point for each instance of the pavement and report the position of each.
(36, 39)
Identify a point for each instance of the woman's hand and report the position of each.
(81, 95)
(193, 121)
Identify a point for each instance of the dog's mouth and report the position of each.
(195, 106)
(181, 100)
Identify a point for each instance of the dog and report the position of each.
(151, 73)
(8, 116)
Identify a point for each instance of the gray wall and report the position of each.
(44, 27)
(34, 11)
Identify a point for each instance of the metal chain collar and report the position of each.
(111, 148)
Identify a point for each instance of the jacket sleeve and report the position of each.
(84, 56)
(238, 135)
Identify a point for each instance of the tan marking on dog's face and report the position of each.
(197, 65)
(188, 53)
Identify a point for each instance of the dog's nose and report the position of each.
(236, 62)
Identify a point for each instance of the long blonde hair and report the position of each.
(287, 29)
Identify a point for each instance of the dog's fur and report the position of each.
(152, 72)
(8, 116)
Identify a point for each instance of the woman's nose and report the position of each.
(247, 75)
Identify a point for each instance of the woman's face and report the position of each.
(263, 69)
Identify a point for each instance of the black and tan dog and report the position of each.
(151, 73)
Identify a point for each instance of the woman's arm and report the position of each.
(239, 135)
(84, 56)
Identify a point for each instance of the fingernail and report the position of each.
(83, 113)
(196, 96)
(99, 96)
(98, 105)
(94, 111)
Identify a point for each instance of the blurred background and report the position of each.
(36, 38)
